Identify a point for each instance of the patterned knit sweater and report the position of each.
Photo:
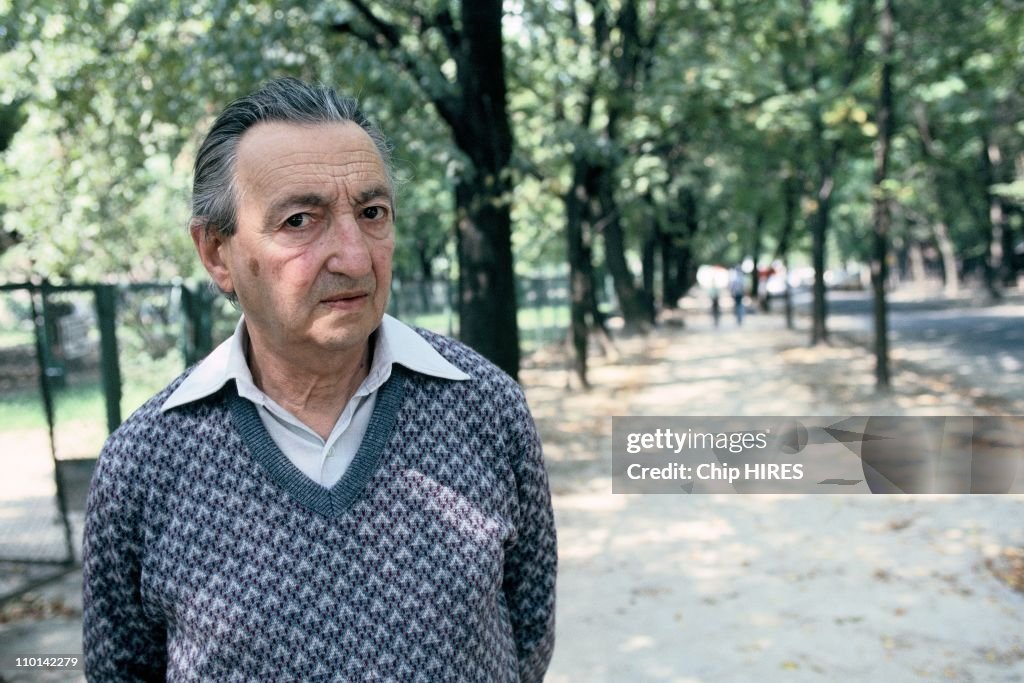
(210, 557)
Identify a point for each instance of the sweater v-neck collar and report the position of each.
(333, 501)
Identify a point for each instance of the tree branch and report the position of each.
(444, 23)
(385, 32)
(856, 40)
(383, 36)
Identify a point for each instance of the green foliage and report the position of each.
(102, 105)
(115, 99)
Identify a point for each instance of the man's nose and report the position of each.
(349, 250)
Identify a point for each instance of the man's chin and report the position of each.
(343, 334)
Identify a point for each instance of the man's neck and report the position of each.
(315, 393)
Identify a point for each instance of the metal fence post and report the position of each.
(53, 361)
(188, 307)
(198, 308)
(106, 314)
(450, 305)
(45, 386)
(541, 301)
(39, 319)
(204, 321)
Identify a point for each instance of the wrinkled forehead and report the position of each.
(277, 156)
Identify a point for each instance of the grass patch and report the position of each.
(9, 337)
(24, 410)
(80, 403)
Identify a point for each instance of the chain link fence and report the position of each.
(76, 359)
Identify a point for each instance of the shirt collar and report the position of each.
(395, 342)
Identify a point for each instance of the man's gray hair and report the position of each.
(288, 100)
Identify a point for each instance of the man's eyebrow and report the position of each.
(279, 206)
(308, 199)
(376, 192)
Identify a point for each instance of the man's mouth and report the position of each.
(346, 300)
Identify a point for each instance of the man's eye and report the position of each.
(374, 212)
(299, 220)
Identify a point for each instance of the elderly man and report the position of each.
(330, 495)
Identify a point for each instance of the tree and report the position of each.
(827, 79)
(590, 58)
(964, 67)
(664, 134)
(883, 215)
(117, 98)
(472, 101)
(11, 119)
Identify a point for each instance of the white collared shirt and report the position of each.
(323, 461)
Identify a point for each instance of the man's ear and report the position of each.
(212, 248)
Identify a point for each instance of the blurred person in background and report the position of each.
(737, 288)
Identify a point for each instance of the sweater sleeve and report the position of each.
(121, 643)
(530, 564)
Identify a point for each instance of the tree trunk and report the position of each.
(487, 294)
(950, 272)
(819, 230)
(755, 257)
(1010, 266)
(916, 257)
(685, 274)
(669, 270)
(652, 240)
(994, 218)
(883, 215)
(637, 315)
(11, 119)
(487, 298)
(581, 269)
(426, 275)
(790, 203)
(950, 276)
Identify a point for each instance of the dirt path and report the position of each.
(740, 588)
(722, 588)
